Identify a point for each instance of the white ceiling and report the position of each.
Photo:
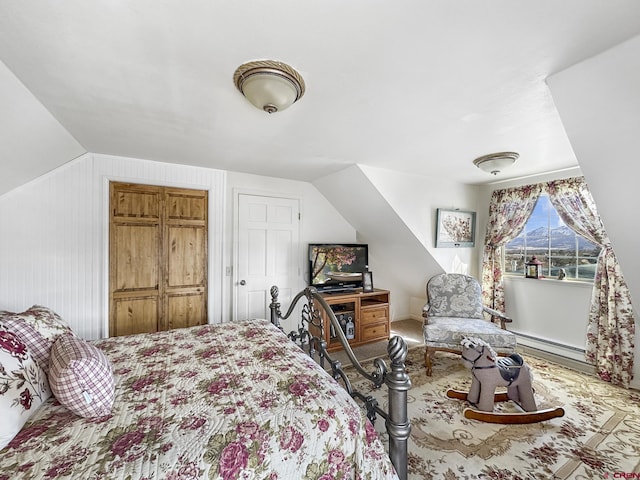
(420, 86)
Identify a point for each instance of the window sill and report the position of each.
(550, 280)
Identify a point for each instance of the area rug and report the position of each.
(597, 438)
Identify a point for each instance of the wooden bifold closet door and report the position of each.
(157, 258)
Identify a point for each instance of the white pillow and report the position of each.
(23, 386)
(38, 327)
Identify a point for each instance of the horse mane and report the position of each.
(473, 342)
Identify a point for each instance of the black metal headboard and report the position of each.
(310, 337)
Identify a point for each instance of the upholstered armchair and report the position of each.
(454, 310)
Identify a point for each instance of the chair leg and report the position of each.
(428, 356)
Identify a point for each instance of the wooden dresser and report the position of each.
(369, 313)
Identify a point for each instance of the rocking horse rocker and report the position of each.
(488, 372)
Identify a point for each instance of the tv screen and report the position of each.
(336, 267)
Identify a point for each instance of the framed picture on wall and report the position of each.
(455, 228)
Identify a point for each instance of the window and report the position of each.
(553, 243)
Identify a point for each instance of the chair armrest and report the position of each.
(495, 313)
(425, 311)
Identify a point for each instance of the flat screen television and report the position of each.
(337, 266)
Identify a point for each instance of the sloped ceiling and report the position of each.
(32, 141)
(421, 86)
(407, 264)
(600, 104)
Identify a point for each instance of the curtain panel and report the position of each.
(509, 211)
(611, 329)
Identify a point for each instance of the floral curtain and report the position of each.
(611, 328)
(509, 211)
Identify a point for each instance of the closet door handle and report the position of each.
(242, 282)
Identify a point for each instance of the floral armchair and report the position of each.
(453, 311)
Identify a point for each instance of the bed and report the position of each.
(227, 401)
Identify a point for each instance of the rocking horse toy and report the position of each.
(488, 372)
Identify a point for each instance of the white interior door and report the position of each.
(268, 246)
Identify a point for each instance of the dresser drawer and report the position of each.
(374, 315)
(370, 332)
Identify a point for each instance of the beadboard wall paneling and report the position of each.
(54, 236)
(50, 235)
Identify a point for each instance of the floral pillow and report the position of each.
(81, 377)
(38, 327)
(23, 385)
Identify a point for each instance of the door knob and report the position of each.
(242, 282)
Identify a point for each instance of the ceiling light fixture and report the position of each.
(494, 163)
(269, 85)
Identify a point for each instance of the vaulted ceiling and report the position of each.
(420, 86)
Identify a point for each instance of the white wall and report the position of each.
(50, 245)
(599, 104)
(32, 139)
(416, 200)
(552, 311)
(366, 199)
(320, 223)
(54, 237)
(550, 314)
(399, 261)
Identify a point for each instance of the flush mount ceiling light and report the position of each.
(269, 85)
(494, 163)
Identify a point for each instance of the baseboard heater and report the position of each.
(565, 355)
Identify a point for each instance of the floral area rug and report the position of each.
(597, 438)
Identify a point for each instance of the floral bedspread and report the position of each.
(229, 401)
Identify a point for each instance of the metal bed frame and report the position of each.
(396, 379)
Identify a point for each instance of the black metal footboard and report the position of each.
(310, 337)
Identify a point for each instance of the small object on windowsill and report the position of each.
(562, 274)
(533, 268)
